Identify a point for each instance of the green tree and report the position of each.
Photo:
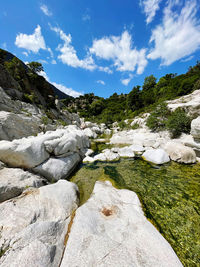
(133, 99)
(158, 118)
(178, 122)
(35, 66)
(149, 83)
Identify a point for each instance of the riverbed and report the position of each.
(170, 197)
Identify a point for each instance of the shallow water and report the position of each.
(170, 196)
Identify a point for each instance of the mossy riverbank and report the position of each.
(170, 196)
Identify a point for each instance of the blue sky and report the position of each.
(102, 46)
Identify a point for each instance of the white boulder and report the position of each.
(15, 126)
(110, 229)
(34, 225)
(88, 132)
(180, 153)
(33, 151)
(14, 181)
(156, 156)
(195, 128)
(57, 168)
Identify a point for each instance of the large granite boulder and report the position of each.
(110, 229)
(35, 224)
(195, 128)
(16, 126)
(180, 153)
(55, 169)
(190, 103)
(35, 150)
(14, 181)
(156, 156)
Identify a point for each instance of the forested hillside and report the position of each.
(140, 99)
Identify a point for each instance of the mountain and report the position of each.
(26, 85)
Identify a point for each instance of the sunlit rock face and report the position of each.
(180, 153)
(195, 128)
(34, 225)
(190, 103)
(111, 230)
(156, 156)
(53, 154)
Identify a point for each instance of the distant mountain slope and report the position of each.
(140, 99)
(31, 87)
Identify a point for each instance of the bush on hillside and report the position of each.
(158, 118)
(178, 122)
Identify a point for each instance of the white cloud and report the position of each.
(119, 50)
(61, 87)
(105, 69)
(101, 82)
(50, 51)
(179, 34)
(127, 80)
(66, 90)
(86, 17)
(46, 10)
(68, 54)
(42, 61)
(150, 8)
(25, 53)
(53, 61)
(187, 59)
(33, 42)
(4, 45)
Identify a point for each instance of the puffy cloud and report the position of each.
(66, 90)
(178, 35)
(53, 61)
(68, 53)
(150, 8)
(33, 42)
(187, 59)
(101, 82)
(46, 10)
(119, 50)
(25, 53)
(105, 69)
(127, 80)
(61, 87)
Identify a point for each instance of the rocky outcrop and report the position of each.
(190, 103)
(34, 225)
(53, 153)
(110, 229)
(180, 153)
(15, 126)
(14, 181)
(195, 128)
(156, 156)
(142, 137)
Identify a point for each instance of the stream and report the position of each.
(170, 197)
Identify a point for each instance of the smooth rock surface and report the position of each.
(34, 225)
(180, 153)
(111, 230)
(55, 169)
(15, 126)
(195, 128)
(125, 152)
(14, 181)
(157, 156)
(190, 103)
(33, 151)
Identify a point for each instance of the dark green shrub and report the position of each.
(135, 126)
(158, 118)
(178, 122)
